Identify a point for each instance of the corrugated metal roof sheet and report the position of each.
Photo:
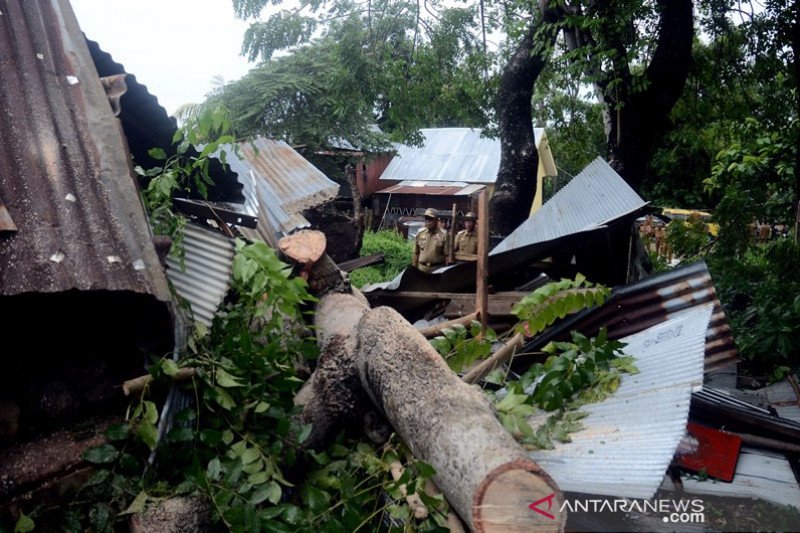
(147, 125)
(591, 199)
(630, 438)
(64, 171)
(654, 300)
(279, 185)
(207, 276)
(449, 154)
(759, 474)
(436, 189)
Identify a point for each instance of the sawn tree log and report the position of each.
(374, 359)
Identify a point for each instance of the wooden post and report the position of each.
(451, 253)
(481, 289)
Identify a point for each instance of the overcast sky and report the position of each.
(174, 47)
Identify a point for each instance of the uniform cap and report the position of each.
(470, 216)
(431, 213)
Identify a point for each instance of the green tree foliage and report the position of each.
(351, 65)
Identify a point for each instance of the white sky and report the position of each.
(174, 47)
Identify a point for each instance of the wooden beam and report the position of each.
(482, 277)
(360, 262)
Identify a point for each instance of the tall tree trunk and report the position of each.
(796, 52)
(636, 121)
(519, 158)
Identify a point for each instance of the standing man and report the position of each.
(430, 244)
(467, 239)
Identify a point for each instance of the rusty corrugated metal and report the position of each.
(433, 189)
(651, 301)
(279, 185)
(147, 125)
(64, 174)
(297, 183)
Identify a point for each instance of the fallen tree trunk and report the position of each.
(373, 358)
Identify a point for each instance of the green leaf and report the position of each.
(24, 524)
(116, 432)
(148, 433)
(213, 470)
(169, 367)
(304, 433)
(98, 478)
(226, 380)
(250, 455)
(224, 399)
(137, 505)
(103, 454)
(157, 153)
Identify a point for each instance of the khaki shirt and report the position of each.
(466, 242)
(430, 249)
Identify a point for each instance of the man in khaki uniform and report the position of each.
(466, 240)
(430, 244)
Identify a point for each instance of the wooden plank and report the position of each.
(359, 262)
(482, 277)
(500, 304)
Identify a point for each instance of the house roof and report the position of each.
(147, 125)
(450, 154)
(596, 196)
(64, 175)
(279, 184)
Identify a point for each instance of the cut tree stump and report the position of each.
(374, 359)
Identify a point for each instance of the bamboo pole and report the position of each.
(481, 289)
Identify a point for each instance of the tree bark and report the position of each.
(375, 359)
(636, 120)
(519, 159)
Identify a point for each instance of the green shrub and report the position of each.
(762, 291)
(397, 257)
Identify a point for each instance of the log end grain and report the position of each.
(305, 246)
(503, 501)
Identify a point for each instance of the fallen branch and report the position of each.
(137, 385)
(501, 356)
(432, 331)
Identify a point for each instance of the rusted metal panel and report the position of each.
(64, 174)
(433, 189)
(659, 298)
(279, 185)
(147, 125)
(630, 438)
